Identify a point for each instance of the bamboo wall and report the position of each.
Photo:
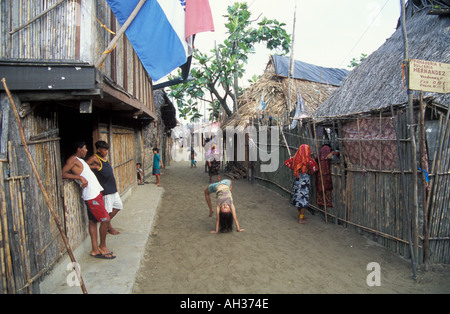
(31, 243)
(373, 200)
(438, 197)
(122, 155)
(51, 37)
(75, 214)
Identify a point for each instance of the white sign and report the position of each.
(429, 76)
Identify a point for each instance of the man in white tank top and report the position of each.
(77, 169)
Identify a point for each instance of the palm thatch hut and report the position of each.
(280, 93)
(375, 189)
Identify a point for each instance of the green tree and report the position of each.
(215, 75)
(355, 62)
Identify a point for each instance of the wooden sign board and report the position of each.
(429, 76)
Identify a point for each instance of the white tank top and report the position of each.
(93, 188)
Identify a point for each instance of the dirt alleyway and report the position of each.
(274, 255)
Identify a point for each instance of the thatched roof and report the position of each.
(377, 82)
(273, 87)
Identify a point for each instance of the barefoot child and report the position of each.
(157, 165)
(140, 174)
(192, 155)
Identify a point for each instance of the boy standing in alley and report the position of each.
(105, 175)
(157, 165)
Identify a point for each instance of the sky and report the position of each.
(328, 33)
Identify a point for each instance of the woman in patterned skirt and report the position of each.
(303, 166)
(213, 157)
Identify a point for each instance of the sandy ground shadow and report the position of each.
(274, 255)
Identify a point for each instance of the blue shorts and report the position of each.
(213, 186)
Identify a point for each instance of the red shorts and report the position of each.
(96, 209)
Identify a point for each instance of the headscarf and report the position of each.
(303, 161)
(324, 151)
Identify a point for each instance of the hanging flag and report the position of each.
(198, 17)
(157, 33)
(302, 103)
(300, 111)
(262, 104)
(198, 20)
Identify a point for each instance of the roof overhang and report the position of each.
(61, 80)
(118, 100)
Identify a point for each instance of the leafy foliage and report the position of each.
(355, 62)
(215, 72)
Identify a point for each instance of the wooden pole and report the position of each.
(284, 138)
(404, 198)
(415, 216)
(424, 166)
(321, 174)
(41, 186)
(291, 67)
(119, 34)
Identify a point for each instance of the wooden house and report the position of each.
(47, 55)
(369, 117)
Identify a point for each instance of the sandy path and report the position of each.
(274, 255)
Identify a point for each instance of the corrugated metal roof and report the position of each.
(309, 72)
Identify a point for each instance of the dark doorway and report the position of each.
(74, 126)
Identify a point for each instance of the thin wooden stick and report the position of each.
(33, 166)
(284, 138)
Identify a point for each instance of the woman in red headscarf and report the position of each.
(303, 166)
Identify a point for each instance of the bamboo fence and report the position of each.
(374, 201)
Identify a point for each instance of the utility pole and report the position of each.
(415, 217)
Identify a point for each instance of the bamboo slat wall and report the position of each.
(50, 37)
(18, 234)
(31, 240)
(124, 162)
(122, 155)
(439, 197)
(47, 157)
(76, 219)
